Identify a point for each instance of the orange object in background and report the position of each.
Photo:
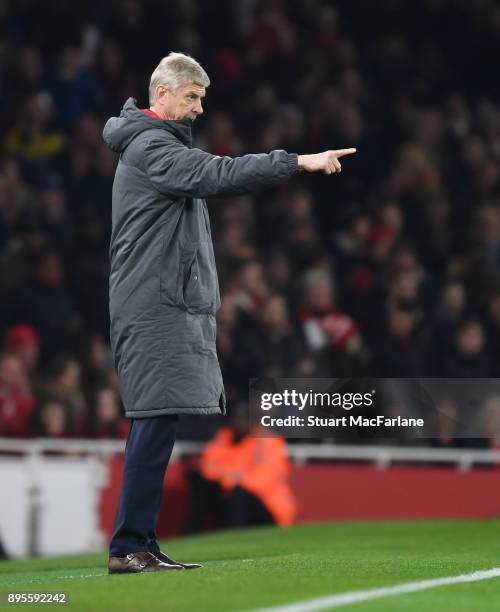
(259, 465)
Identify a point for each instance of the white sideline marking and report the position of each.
(45, 578)
(344, 599)
(79, 576)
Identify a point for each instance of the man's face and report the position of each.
(184, 103)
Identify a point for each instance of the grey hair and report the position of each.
(177, 69)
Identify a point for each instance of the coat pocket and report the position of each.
(170, 273)
(198, 290)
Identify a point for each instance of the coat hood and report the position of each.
(119, 132)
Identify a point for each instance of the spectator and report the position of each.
(402, 350)
(493, 330)
(448, 315)
(446, 419)
(35, 140)
(98, 367)
(53, 419)
(447, 423)
(271, 346)
(326, 328)
(73, 88)
(468, 358)
(281, 349)
(23, 341)
(490, 418)
(16, 400)
(249, 287)
(65, 383)
(106, 419)
(46, 304)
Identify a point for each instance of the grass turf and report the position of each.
(244, 570)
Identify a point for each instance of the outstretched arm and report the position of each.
(177, 170)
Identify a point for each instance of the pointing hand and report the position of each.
(327, 162)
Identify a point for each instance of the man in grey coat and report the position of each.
(163, 290)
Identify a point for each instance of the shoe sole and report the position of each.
(146, 571)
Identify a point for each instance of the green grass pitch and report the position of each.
(255, 568)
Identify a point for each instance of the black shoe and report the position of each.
(166, 559)
(138, 562)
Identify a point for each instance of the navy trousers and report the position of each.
(147, 453)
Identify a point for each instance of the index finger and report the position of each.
(342, 152)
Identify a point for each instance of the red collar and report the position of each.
(149, 112)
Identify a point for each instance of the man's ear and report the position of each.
(160, 92)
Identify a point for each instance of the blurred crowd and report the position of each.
(390, 269)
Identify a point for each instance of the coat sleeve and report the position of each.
(174, 169)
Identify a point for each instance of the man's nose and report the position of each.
(198, 108)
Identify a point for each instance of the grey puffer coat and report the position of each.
(163, 290)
